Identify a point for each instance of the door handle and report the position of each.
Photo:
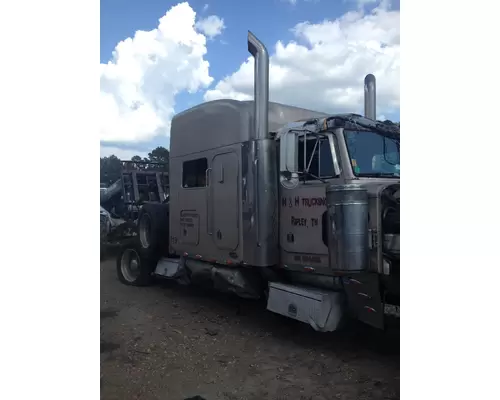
(221, 177)
(208, 197)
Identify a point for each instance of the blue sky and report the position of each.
(270, 20)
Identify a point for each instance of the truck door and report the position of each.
(224, 179)
(303, 208)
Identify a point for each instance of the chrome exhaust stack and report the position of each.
(261, 86)
(263, 164)
(370, 97)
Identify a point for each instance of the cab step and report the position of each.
(364, 299)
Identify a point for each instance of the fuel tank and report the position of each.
(347, 231)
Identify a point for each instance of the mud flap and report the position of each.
(364, 299)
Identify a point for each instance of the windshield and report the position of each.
(372, 154)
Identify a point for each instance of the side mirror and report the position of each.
(288, 153)
(289, 177)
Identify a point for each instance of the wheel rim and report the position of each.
(145, 231)
(130, 265)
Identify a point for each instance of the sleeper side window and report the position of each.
(194, 173)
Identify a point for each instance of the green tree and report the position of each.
(110, 169)
(159, 155)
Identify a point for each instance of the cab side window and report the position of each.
(317, 159)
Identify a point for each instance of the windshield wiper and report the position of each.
(379, 175)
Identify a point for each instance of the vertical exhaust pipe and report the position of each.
(370, 97)
(262, 159)
(261, 86)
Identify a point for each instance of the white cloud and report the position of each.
(140, 83)
(211, 26)
(205, 7)
(324, 68)
(122, 154)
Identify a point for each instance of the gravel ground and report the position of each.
(173, 343)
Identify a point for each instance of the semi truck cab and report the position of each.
(275, 201)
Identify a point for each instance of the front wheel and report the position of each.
(134, 267)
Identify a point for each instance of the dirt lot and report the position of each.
(170, 342)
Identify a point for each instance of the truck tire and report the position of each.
(133, 266)
(152, 225)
